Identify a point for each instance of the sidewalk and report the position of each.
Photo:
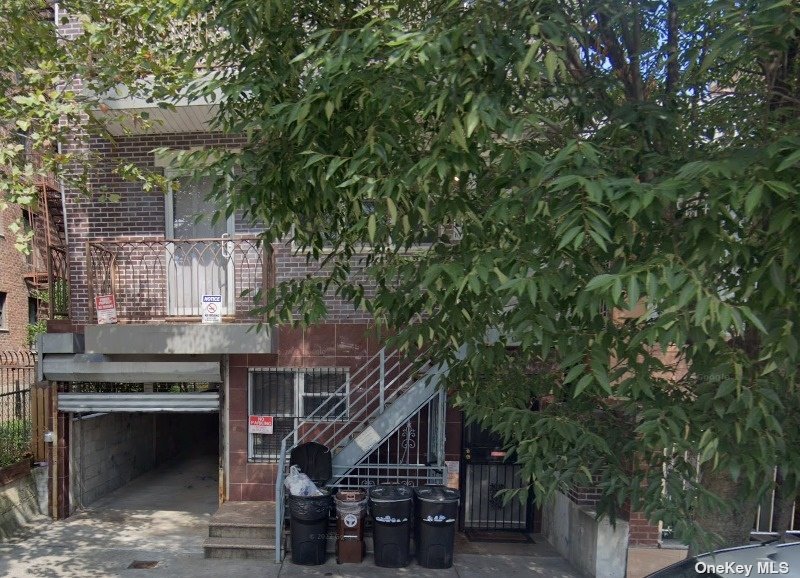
(163, 517)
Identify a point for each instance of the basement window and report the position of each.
(292, 395)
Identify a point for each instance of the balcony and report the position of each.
(157, 280)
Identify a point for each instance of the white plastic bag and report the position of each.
(300, 484)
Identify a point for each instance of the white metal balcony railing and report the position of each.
(156, 278)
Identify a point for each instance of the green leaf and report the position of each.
(777, 277)
(583, 383)
(458, 134)
(789, 161)
(472, 121)
(569, 236)
(573, 373)
(371, 225)
(754, 319)
(603, 281)
(753, 199)
(392, 208)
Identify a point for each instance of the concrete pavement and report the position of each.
(163, 517)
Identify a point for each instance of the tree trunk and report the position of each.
(784, 502)
(731, 525)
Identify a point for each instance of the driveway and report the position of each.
(162, 517)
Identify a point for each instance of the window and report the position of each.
(27, 229)
(3, 313)
(291, 394)
(321, 393)
(33, 310)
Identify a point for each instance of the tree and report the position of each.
(53, 79)
(570, 159)
(527, 167)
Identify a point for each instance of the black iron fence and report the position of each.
(20, 410)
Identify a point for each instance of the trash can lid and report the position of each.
(390, 493)
(350, 496)
(437, 494)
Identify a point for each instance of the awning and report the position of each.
(99, 368)
(139, 402)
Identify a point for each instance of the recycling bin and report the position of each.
(435, 529)
(351, 509)
(309, 527)
(391, 508)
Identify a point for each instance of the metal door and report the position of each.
(198, 255)
(486, 471)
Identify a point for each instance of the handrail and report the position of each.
(393, 375)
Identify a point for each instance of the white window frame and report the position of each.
(299, 388)
(298, 408)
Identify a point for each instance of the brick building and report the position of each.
(16, 309)
(24, 293)
(156, 355)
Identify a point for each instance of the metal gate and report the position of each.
(486, 471)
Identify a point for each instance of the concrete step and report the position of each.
(264, 531)
(239, 548)
(254, 520)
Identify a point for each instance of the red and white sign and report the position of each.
(106, 308)
(261, 424)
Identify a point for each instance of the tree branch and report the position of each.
(673, 70)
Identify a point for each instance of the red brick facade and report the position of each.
(14, 266)
(642, 532)
(346, 345)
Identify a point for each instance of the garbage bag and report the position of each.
(300, 484)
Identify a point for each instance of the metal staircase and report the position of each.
(379, 400)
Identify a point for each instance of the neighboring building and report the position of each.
(14, 292)
(24, 293)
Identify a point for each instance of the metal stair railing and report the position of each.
(378, 387)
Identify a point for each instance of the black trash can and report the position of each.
(435, 530)
(391, 508)
(309, 527)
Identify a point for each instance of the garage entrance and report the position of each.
(117, 437)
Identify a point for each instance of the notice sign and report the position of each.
(106, 307)
(453, 470)
(211, 308)
(261, 424)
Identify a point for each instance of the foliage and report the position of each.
(51, 84)
(33, 331)
(575, 160)
(15, 441)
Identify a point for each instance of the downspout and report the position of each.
(58, 145)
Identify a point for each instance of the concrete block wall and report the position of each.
(106, 452)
